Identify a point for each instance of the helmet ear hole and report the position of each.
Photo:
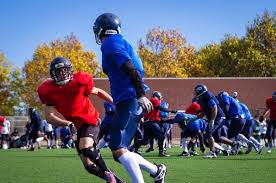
(105, 25)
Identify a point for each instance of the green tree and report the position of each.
(37, 69)
(250, 56)
(261, 36)
(11, 87)
(165, 53)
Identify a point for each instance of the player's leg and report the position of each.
(250, 137)
(160, 135)
(87, 136)
(184, 135)
(124, 126)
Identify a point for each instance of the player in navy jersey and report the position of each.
(36, 126)
(214, 114)
(125, 72)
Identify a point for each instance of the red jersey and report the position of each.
(71, 99)
(194, 109)
(270, 104)
(154, 115)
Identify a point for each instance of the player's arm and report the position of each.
(136, 80)
(51, 117)
(166, 109)
(102, 94)
(135, 77)
(214, 112)
(265, 113)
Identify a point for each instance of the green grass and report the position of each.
(64, 166)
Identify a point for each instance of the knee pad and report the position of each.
(90, 153)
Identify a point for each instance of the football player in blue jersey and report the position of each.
(125, 72)
(193, 127)
(234, 113)
(214, 114)
(248, 129)
(166, 127)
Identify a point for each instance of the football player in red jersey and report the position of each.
(271, 123)
(68, 94)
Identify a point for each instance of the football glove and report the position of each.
(145, 104)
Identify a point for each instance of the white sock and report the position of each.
(145, 164)
(184, 144)
(49, 143)
(56, 143)
(252, 139)
(131, 165)
(217, 146)
(101, 143)
(242, 138)
(274, 142)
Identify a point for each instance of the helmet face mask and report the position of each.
(105, 25)
(157, 94)
(61, 71)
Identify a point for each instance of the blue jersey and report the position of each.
(198, 125)
(181, 117)
(164, 114)
(36, 121)
(235, 110)
(207, 101)
(246, 111)
(115, 52)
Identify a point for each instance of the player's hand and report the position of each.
(145, 104)
(70, 125)
(211, 124)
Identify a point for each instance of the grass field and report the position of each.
(63, 166)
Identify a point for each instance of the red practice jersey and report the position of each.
(71, 99)
(270, 104)
(194, 109)
(154, 115)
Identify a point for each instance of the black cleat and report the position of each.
(159, 177)
(149, 149)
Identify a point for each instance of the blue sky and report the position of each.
(27, 23)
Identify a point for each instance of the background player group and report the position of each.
(212, 120)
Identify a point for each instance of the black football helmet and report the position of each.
(157, 94)
(200, 89)
(61, 70)
(106, 24)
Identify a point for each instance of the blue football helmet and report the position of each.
(61, 70)
(157, 94)
(221, 94)
(106, 24)
(200, 89)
